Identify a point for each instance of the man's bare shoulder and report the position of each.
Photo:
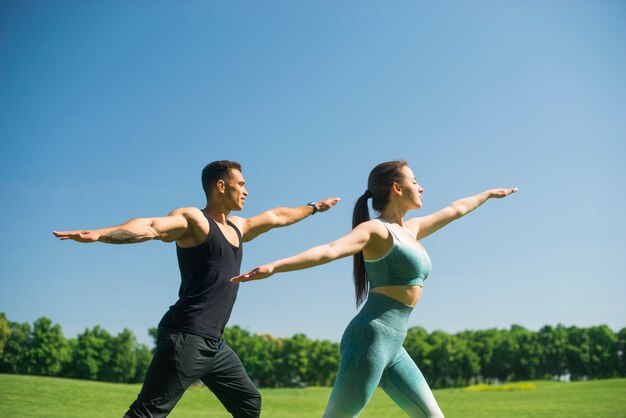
(193, 216)
(197, 226)
(189, 212)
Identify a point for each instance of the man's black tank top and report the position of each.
(206, 296)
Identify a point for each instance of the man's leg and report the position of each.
(229, 381)
(176, 365)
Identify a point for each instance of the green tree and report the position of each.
(67, 370)
(48, 348)
(418, 347)
(526, 360)
(122, 364)
(620, 352)
(324, 362)
(143, 355)
(16, 355)
(554, 342)
(602, 361)
(294, 363)
(441, 359)
(577, 352)
(485, 343)
(153, 332)
(262, 362)
(466, 361)
(507, 355)
(5, 331)
(91, 353)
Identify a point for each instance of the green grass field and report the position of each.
(30, 396)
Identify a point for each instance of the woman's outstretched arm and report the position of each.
(347, 245)
(425, 225)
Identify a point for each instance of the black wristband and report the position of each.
(314, 206)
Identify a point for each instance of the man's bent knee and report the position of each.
(251, 409)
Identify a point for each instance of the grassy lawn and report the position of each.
(30, 396)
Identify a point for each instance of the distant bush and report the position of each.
(500, 388)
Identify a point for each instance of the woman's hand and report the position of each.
(258, 273)
(500, 193)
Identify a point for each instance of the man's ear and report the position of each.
(220, 186)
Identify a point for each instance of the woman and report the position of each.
(390, 266)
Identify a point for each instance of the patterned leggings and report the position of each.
(372, 354)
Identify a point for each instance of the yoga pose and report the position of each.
(209, 249)
(390, 266)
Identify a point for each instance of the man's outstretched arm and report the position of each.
(168, 228)
(278, 217)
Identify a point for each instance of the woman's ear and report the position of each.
(397, 188)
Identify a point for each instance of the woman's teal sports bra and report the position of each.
(404, 264)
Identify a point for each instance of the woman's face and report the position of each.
(410, 189)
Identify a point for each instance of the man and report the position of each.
(209, 249)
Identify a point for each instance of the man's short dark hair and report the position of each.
(217, 170)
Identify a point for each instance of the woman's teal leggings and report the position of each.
(372, 354)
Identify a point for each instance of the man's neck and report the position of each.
(217, 212)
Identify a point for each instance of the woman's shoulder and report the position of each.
(375, 227)
(374, 223)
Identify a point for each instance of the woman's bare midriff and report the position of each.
(409, 295)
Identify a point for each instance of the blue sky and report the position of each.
(110, 111)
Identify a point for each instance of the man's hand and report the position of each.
(79, 236)
(324, 205)
(500, 193)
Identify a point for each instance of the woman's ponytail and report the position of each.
(361, 214)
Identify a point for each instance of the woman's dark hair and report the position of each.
(379, 184)
(217, 170)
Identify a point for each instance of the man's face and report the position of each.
(235, 190)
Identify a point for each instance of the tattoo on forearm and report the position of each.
(119, 236)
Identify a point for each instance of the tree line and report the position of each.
(447, 360)
(41, 349)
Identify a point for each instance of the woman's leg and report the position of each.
(363, 360)
(404, 383)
